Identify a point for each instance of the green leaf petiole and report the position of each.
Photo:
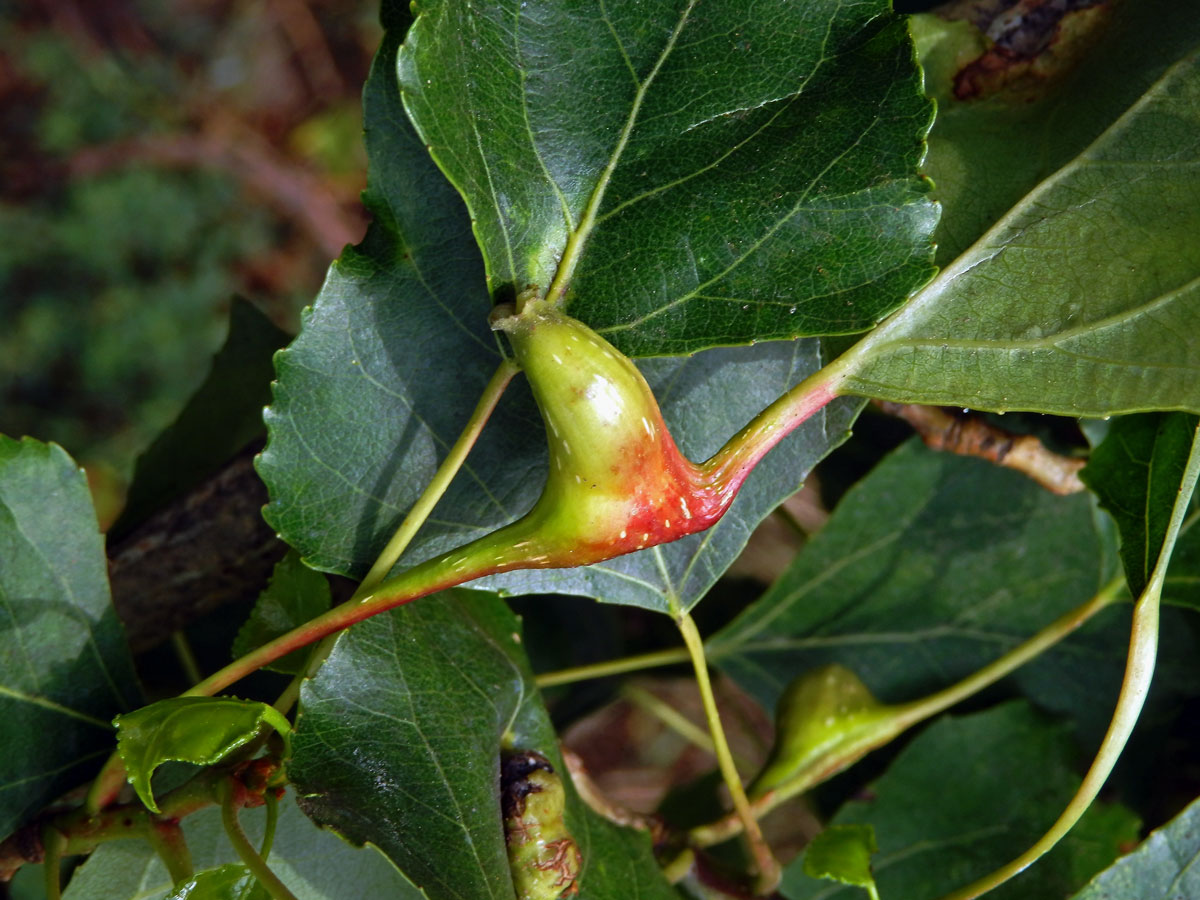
(245, 850)
(768, 867)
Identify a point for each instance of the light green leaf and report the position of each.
(996, 780)
(231, 881)
(314, 863)
(1083, 298)
(294, 595)
(691, 174)
(399, 739)
(197, 730)
(842, 853)
(1164, 866)
(64, 664)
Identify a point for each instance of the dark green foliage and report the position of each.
(1136, 474)
(64, 666)
(1163, 866)
(399, 744)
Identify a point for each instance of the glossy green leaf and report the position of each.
(197, 730)
(931, 567)
(231, 881)
(398, 743)
(64, 665)
(222, 417)
(294, 595)
(968, 794)
(1136, 473)
(842, 853)
(314, 863)
(1082, 299)
(1164, 866)
(987, 152)
(693, 175)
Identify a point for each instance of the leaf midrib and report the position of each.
(579, 236)
(52, 706)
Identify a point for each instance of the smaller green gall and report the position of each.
(825, 720)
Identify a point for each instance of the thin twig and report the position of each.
(185, 656)
(245, 850)
(972, 435)
(669, 657)
(166, 836)
(1143, 649)
(54, 842)
(445, 474)
(669, 716)
(84, 832)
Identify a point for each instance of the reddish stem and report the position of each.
(517, 546)
(733, 463)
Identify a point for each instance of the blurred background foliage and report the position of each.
(157, 158)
